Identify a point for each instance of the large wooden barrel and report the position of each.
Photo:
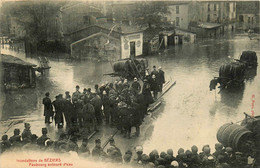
(130, 68)
(233, 135)
(121, 66)
(231, 71)
(249, 57)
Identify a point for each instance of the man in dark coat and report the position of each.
(75, 101)
(89, 116)
(68, 109)
(83, 149)
(160, 78)
(41, 141)
(147, 93)
(154, 72)
(26, 135)
(106, 106)
(154, 87)
(136, 87)
(97, 103)
(5, 144)
(97, 151)
(16, 138)
(59, 107)
(48, 109)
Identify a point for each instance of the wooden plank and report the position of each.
(157, 103)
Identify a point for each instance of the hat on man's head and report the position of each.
(97, 141)
(77, 86)
(44, 130)
(111, 140)
(27, 125)
(47, 94)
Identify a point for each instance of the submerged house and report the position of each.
(151, 41)
(106, 41)
(207, 30)
(17, 73)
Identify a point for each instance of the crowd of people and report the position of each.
(223, 157)
(122, 104)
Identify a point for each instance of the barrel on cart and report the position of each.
(235, 136)
(130, 68)
(249, 58)
(232, 74)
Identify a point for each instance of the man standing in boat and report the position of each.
(160, 78)
(154, 86)
(154, 72)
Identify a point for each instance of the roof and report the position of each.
(14, 60)
(125, 29)
(180, 30)
(207, 25)
(177, 3)
(150, 33)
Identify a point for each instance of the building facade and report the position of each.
(248, 14)
(178, 15)
(106, 41)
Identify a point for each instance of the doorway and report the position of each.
(132, 49)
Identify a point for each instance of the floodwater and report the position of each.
(190, 113)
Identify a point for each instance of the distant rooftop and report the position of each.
(120, 28)
(115, 27)
(207, 25)
(14, 60)
(150, 33)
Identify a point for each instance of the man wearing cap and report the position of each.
(16, 138)
(154, 72)
(76, 102)
(147, 93)
(59, 109)
(160, 78)
(126, 84)
(83, 149)
(97, 151)
(89, 116)
(68, 109)
(5, 144)
(136, 87)
(67, 96)
(48, 109)
(114, 152)
(97, 103)
(196, 161)
(26, 135)
(154, 86)
(76, 95)
(112, 143)
(97, 89)
(43, 138)
(106, 106)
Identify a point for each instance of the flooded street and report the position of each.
(190, 113)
